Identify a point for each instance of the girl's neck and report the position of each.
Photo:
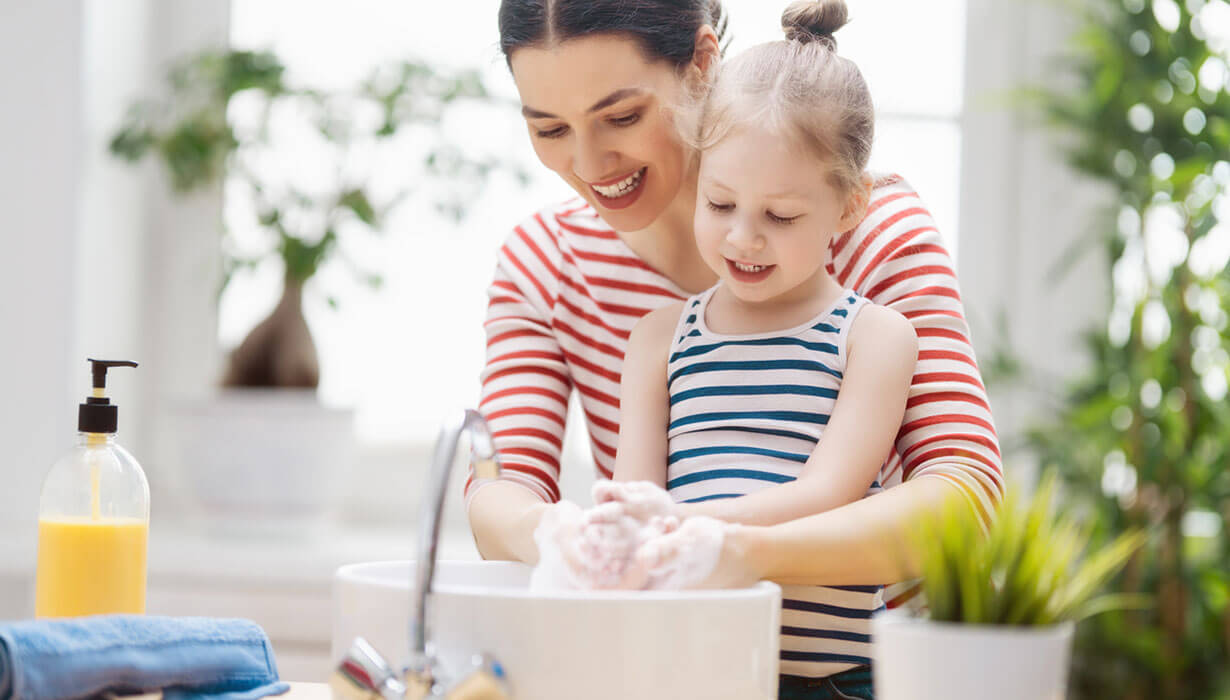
(728, 314)
(669, 246)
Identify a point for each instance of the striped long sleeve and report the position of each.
(526, 382)
(896, 259)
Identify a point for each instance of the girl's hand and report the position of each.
(592, 550)
(701, 552)
(642, 500)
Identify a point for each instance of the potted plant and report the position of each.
(1002, 601)
(264, 450)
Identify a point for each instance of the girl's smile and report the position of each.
(748, 273)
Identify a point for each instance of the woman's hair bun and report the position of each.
(814, 20)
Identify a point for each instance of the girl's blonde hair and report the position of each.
(799, 86)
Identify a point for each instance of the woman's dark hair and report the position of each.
(665, 29)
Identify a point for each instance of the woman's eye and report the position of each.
(552, 133)
(719, 207)
(781, 219)
(627, 120)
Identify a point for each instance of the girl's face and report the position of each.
(598, 115)
(765, 213)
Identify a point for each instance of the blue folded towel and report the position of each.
(185, 657)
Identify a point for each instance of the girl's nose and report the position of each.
(744, 237)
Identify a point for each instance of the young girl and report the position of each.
(777, 368)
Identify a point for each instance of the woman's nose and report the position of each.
(592, 161)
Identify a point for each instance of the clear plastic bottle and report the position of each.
(93, 520)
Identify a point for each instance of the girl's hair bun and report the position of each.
(814, 20)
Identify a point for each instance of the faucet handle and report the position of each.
(363, 674)
(419, 685)
(486, 681)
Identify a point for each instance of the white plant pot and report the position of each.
(916, 659)
(265, 459)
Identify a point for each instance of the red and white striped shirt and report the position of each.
(568, 290)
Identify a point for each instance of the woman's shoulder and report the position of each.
(896, 224)
(887, 187)
(560, 221)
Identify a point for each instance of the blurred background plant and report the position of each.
(1143, 441)
(202, 140)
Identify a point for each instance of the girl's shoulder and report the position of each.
(661, 322)
(880, 325)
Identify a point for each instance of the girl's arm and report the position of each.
(881, 353)
(644, 407)
(865, 542)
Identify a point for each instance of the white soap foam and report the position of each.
(630, 540)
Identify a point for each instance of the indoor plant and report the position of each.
(1002, 602)
(1143, 439)
(263, 448)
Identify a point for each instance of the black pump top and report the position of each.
(97, 414)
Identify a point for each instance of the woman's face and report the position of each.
(599, 115)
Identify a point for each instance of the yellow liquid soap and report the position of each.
(90, 566)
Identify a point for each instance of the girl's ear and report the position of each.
(856, 204)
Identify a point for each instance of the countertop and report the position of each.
(298, 691)
(308, 691)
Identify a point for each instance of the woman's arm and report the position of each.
(881, 351)
(525, 389)
(644, 406)
(896, 258)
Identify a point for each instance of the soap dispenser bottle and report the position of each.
(93, 524)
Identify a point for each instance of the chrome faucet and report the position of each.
(363, 673)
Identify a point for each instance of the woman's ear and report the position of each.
(707, 54)
(856, 203)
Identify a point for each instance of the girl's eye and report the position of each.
(552, 133)
(781, 219)
(627, 120)
(719, 207)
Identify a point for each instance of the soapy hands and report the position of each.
(632, 539)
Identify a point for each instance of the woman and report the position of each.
(598, 81)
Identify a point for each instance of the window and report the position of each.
(403, 353)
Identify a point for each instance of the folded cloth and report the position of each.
(185, 657)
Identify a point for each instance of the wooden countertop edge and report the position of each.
(298, 691)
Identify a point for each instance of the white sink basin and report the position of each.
(625, 645)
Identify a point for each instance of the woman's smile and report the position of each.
(620, 192)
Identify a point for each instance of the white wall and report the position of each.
(40, 165)
(1021, 209)
(98, 261)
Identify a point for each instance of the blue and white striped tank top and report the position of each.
(746, 412)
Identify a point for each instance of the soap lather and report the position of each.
(364, 674)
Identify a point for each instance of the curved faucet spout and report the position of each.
(486, 466)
